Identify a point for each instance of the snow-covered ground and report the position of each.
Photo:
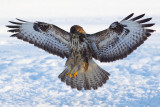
(28, 75)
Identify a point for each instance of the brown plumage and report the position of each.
(78, 29)
(81, 72)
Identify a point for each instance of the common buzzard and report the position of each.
(81, 72)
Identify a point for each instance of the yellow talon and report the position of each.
(69, 73)
(75, 74)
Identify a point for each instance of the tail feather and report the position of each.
(93, 81)
(68, 80)
(80, 81)
(103, 75)
(62, 75)
(87, 84)
(74, 82)
(98, 78)
(93, 78)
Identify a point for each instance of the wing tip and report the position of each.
(129, 16)
(145, 20)
(17, 23)
(20, 20)
(13, 30)
(148, 25)
(138, 17)
(11, 26)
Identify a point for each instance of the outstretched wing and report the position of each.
(43, 35)
(120, 39)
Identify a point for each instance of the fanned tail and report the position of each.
(94, 77)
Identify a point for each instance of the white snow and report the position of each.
(29, 76)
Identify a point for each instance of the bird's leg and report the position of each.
(69, 73)
(75, 74)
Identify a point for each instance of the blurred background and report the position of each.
(29, 76)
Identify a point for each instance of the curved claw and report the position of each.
(75, 74)
(69, 73)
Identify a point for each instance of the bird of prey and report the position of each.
(108, 45)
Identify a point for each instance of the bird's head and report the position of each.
(77, 30)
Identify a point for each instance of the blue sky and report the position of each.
(29, 76)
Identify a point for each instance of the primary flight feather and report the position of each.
(111, 44)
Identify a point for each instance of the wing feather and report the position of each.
(129, 16)
(148, 25)
(21, 20)
(138, 17)
(43, 35)
(120, 39)
(17, 23)
(144, 20)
